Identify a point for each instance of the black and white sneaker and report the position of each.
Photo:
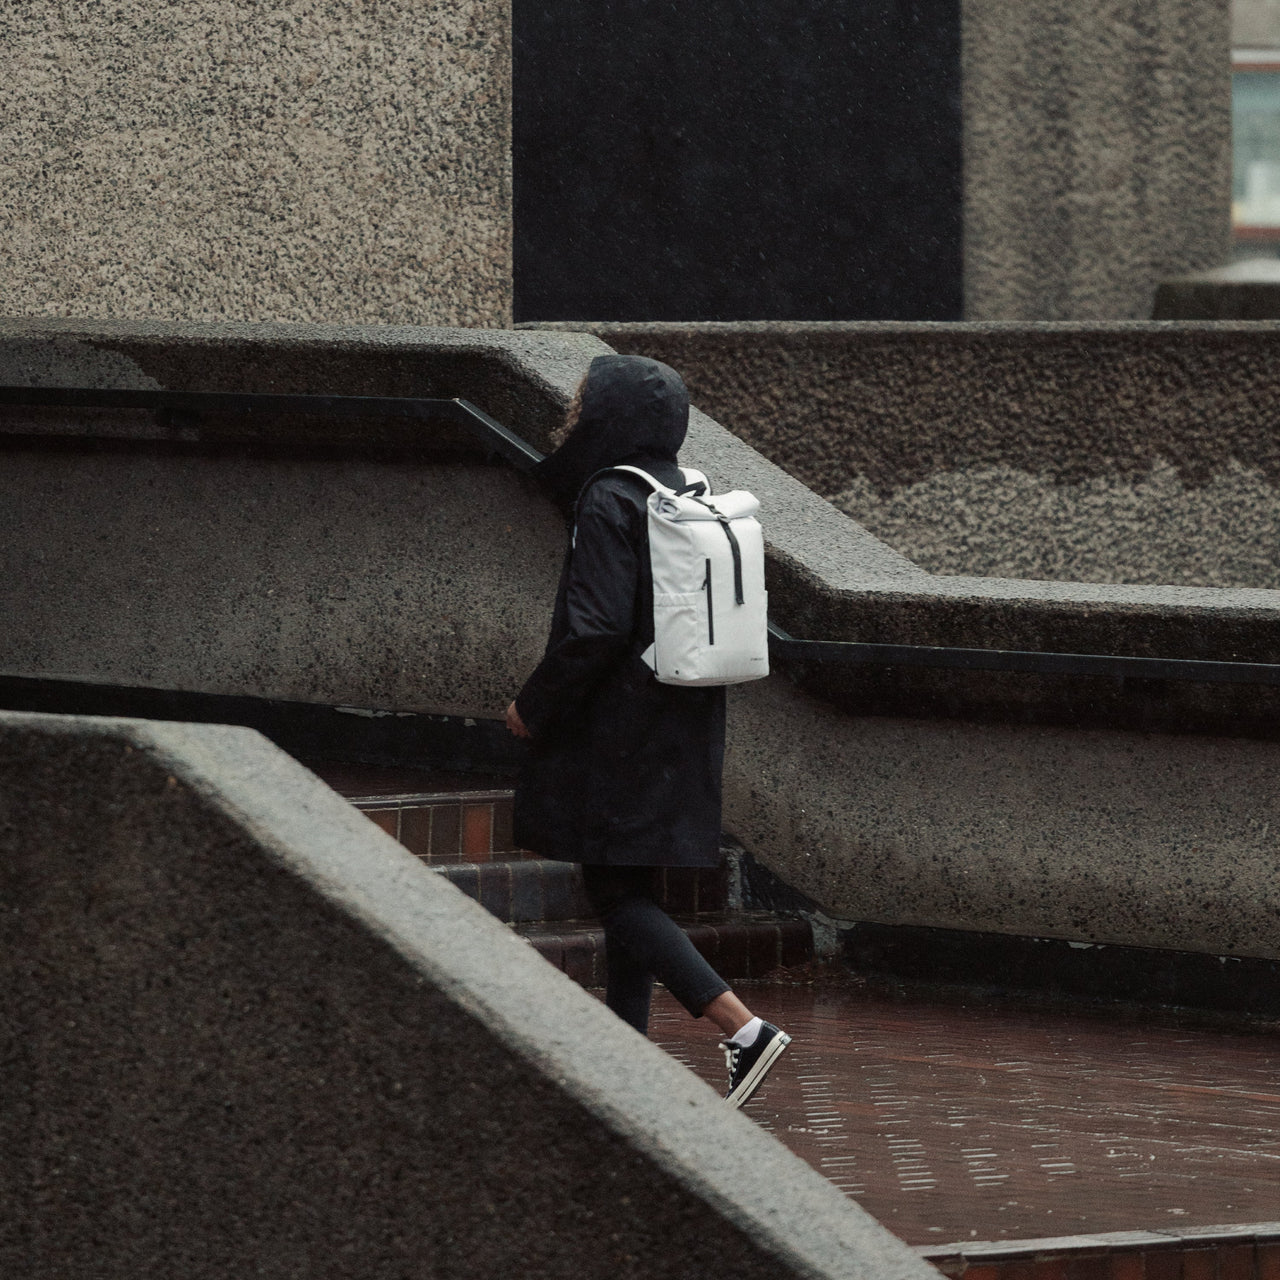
(748, 1067)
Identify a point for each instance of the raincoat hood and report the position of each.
(633, 410)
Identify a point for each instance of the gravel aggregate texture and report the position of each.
(363, 564)
(1077, 402)
(301, 161)
(1129, 470)
(1121, 453)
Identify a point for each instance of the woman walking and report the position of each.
(623, 773)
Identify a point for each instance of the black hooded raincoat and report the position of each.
(621, 770)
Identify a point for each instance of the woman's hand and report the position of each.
(515, 724)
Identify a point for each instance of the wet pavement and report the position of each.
(950, 1121)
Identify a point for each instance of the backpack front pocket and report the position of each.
(682, 630)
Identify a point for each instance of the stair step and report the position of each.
(542, 889)
(536, 889)
(737, 944)
(462, 827)
(447, 827)
(442, 817)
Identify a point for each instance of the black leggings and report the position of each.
(642, 942)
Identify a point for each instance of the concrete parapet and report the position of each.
(931, 422)
(1149, 840)
(376, 565)
(245, 580)
(885, 407)
(251, 1034)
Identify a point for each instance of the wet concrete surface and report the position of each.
(952, 1120)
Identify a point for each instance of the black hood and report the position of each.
(633, 410)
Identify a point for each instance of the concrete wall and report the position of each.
(1097, 153)
(251, 1034)
(339, 581)
(1108, 453)
(1148, 840)
(296, 161)
(979, 800)
(358, 563)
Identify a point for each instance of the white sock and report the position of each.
(745, 1036)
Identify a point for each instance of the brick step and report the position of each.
(530, 889)
(462, 828)
(738, 944)
(447, 827)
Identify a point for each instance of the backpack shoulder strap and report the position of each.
(604, 471)
(695, 483)
(656, 485)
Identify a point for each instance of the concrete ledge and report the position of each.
(1142, 840)
(888, 406)
(256, 1036)
(276, 568)
(1242, 291)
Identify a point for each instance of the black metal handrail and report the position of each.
(193, 403)
(522, 455)
(1033, 661)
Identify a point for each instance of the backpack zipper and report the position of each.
(711, 622)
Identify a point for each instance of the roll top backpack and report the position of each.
(710, 608)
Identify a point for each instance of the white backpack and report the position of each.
(710, 609)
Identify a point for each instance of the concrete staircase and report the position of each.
(460, 826)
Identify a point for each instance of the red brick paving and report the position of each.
(951, 1122)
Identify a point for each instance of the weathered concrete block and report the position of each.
(1097, 153)
(249, 1034)
(1148, 840)
(1117, 453)
(302, 161)
(310, 563)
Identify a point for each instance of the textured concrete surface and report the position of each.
(1004, 522)
(523, 379)
(1097, 153)
(994, 389)
(255, 1036)
(1141, 839)
(304, 161)
(1247, 290)
(247, 558)
(828, 577)
(335, 581)
(1138, 453)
